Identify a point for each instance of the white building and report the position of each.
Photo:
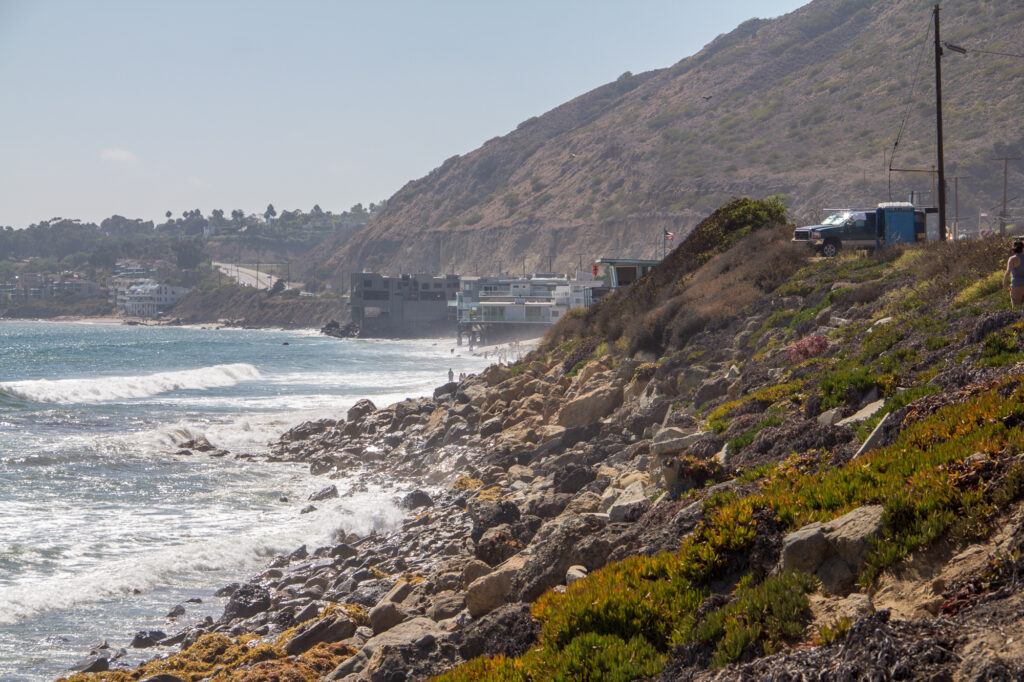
(149, 299)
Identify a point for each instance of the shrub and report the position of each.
(759, 620)
(845, 385)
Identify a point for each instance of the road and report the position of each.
(246, 276)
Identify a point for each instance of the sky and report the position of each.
(137, 107)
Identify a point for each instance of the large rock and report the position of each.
(486, 514)
(559, 544)
(672, 440)
(627, 499)
(246, 601)
(331, 628)
(490, 591)
(412, 632)
(385, 616)
(711, 389)
(360, 410)
(590, 407)
(834, 551)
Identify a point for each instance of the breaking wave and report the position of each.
(102, 389)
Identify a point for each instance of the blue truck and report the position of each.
(891, 223)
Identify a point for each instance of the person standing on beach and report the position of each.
(451, 375)
(1013, 278)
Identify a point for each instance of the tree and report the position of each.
(188, 254)
(238, 216)
(277, 288)
(317, 211)
(218, 217)
(270, 212)
(168, 215)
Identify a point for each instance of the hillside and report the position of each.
(806, 105)
(257, 308)
(779, 467)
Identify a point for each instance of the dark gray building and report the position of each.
(403, 306)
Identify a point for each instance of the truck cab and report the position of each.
(843, 229)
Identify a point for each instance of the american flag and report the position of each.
(669, 236)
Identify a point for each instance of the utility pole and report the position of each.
(1003, 215)
(938, 128)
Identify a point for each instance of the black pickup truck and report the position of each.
(843, 230)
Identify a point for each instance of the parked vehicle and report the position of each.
(890, 223)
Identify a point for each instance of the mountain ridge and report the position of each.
(805, 105)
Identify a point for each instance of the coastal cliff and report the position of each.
(750, 464)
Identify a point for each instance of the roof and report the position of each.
(626, 261)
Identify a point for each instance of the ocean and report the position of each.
(104, 527)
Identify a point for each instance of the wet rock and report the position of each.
(227, 590)
(92, 664)
(176, 612)
(327, 493)
(416, 499)
(146, 638)
(247, 601)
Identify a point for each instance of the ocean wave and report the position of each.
(107, 388)
(200, 561)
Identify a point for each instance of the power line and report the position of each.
(910, 98)
(1001, 54)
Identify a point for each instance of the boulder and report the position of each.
(147, 638)
(590, 407)
(327, 493)
(559, 544)
(360, 410)
(331, 628)
(412, 632)
(629, 497)
(386, 615)
(473, 570)
(417, 499)
(834, 551)
(246, 601)
(672, 440)
(446, 604)
(575, 573)
(490, 591)
(711, 389)
(486, 514)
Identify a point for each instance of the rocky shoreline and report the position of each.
(821, 488)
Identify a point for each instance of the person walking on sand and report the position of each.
(451, 375)
(1013, 278)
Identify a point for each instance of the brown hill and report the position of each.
(806, 105)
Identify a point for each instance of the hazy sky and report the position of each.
(137, 107)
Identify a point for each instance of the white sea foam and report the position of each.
(107, 388)
(193, 560)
